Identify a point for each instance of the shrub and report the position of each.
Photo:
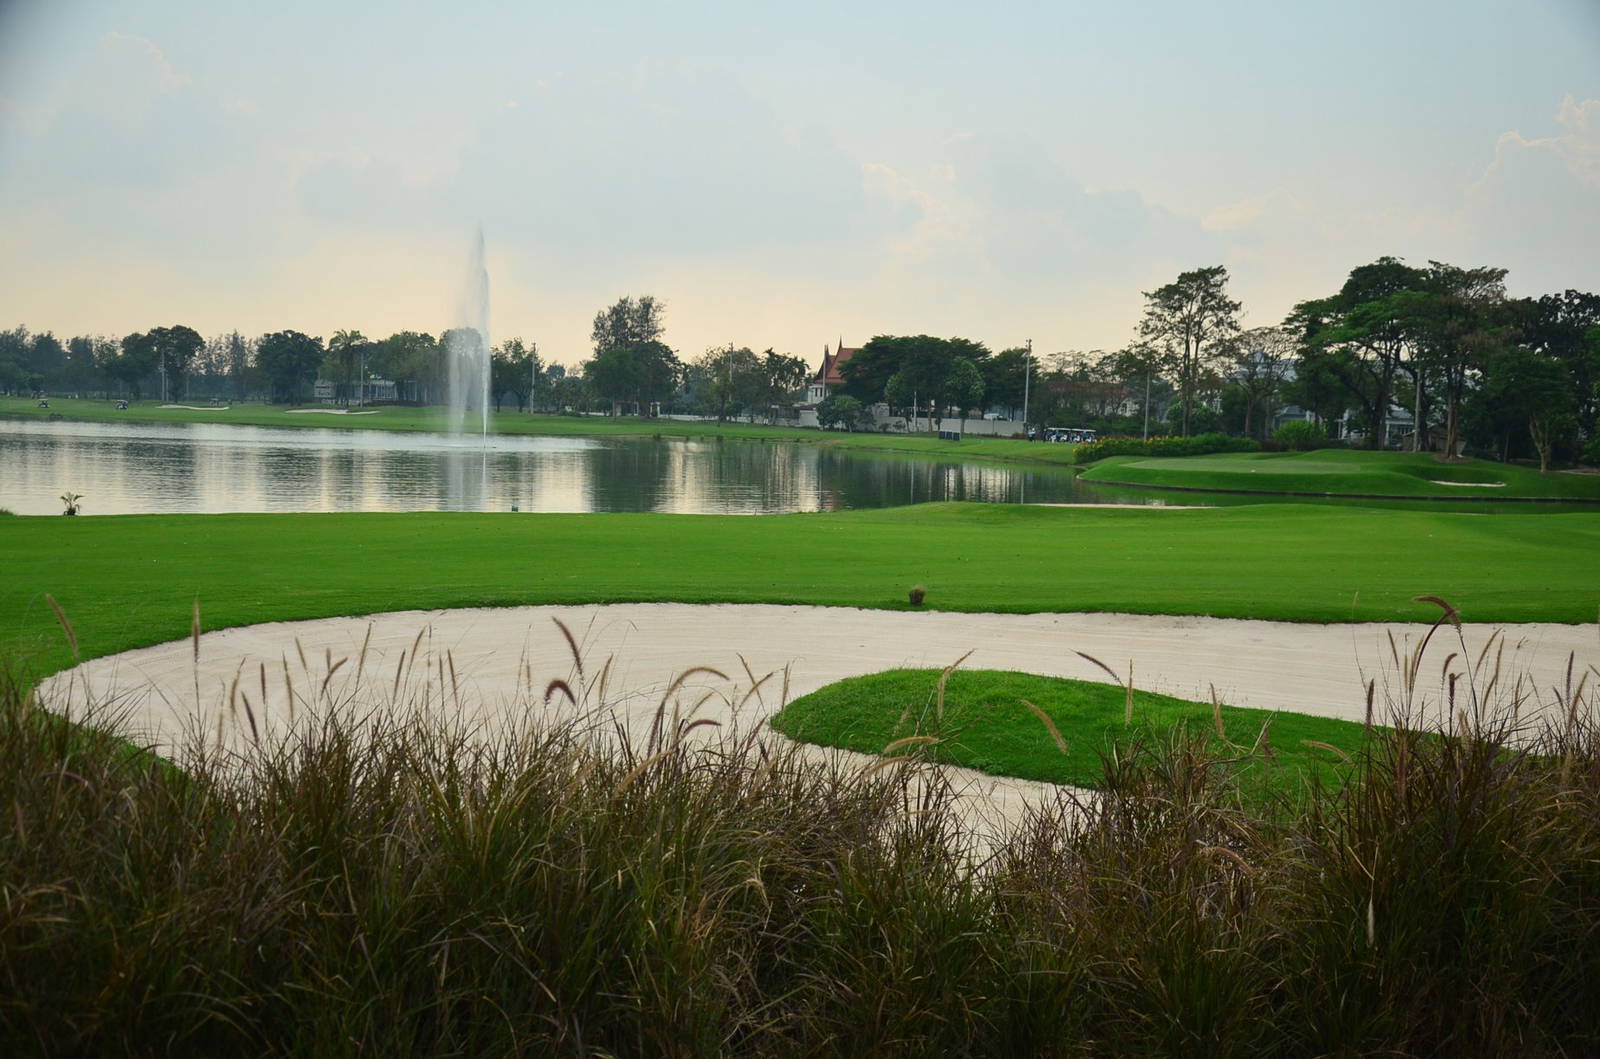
(1591, 452)
(1300, 435)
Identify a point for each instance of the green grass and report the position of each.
(434, 419)
(981, 722)
(1342, 472)
(129, 581)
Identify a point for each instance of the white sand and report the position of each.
(330, 412)
(503, 660)
(200, 407)
(1471, 485)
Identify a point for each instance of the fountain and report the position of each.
(467, 347)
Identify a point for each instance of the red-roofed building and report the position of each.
(827, 379)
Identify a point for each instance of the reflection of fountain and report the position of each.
(467, 347)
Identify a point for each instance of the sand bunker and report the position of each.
(331, 411)
(493, 665)
(492, 668)
(200, 407)
(1471, 485)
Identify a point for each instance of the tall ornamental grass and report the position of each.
(379, 884)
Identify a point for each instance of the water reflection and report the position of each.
(145, 468)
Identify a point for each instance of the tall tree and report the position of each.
(628, 323)
(289, 361)
(1263, 361)
(1373, 318)
(176, 348)
(345, 349)
(1195, 322)
(963, 388)
(1460, 321)
(515, 369)
(137, 360)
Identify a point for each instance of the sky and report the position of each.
(779, 176)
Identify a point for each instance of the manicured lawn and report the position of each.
(1346, 472)
(509, 421)
(984, 724)
(129, 581)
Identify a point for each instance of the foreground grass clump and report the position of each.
(1345, 472)
(399, 888)
(997, 722)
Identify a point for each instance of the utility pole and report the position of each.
(1027, 372)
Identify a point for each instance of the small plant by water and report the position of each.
(71, 502)
(916, 595)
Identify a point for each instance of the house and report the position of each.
(827, 379)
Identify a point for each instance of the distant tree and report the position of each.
(1524, 389)
(238, 365)
(47, 357)
(414, 360)
(344, 349)
(14, 375)
(1372, 324)
(1194, 321)
(82, 369)
(1566, 328)
(1460, 320)
(727, 380)
(289, 361)
(923, 362)
(785, 376)
(1139, 365)
(137, 359)
(963, 388)
(1263, 361)
(515, 371)
(175, 348)
(628, 323)
(1005, 377)
(841, 409)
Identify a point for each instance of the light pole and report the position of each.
(1027, 372)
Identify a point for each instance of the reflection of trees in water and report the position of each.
(853, 479)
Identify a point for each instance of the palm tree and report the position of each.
(346, 344)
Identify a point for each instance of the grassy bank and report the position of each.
(390, 889)
(1340, 472)
(129, 581)
(433, 419)
(981, 719)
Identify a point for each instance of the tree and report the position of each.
(14, 374)
(1460, 320)
(1263, 361)
(1194, 321)
(46, 359)
(136, 361)
(515, 370)
(923, 361)
(289, 361)
(785, 376)
(963, 388)
(727, 379)
(176, 348)
(1373, 318)
(415, 361)
(628, 324)
(841, 409)
(1005, 377)
(344, 348)
(1524, 388)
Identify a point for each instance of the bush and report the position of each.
(1199, 445)
(1591, 452)
(1300, 435)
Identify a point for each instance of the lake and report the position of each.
(139, 468)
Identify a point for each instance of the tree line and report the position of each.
(630, 369)
(1435, 358)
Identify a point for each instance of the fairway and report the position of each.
(1345, 472)
(130, 581)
